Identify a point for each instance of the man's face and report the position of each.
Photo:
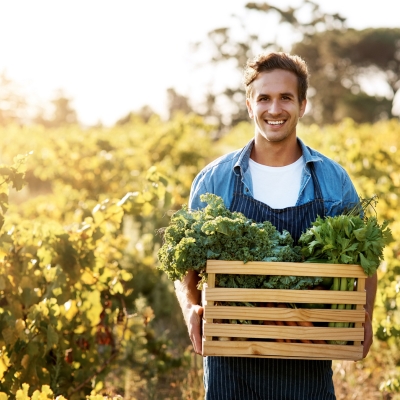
(274, 105)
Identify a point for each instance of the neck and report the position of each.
(275, 154)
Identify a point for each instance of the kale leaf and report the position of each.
(215, 232)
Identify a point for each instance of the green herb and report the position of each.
(217, 233)
(351, 238)
(347, 239)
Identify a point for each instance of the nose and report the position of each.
(274, 107)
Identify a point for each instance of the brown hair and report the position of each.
(270, 61)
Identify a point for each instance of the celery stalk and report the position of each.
(335, 286)
(341, 284)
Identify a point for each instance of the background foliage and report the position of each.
(84, 309)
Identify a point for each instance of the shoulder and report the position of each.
(225, 162)
(336, 185)
(326, 166)
(217, 177)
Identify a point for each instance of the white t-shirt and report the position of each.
(277, 187)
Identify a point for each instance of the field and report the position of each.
(84, 309)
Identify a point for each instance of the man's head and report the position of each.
(271, 61)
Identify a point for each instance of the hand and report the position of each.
(194, 322)
(368, 334)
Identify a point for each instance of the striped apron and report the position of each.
(240, 378)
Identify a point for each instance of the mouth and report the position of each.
(275, 123)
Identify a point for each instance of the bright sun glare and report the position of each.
(114, 57)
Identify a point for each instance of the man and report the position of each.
(275, 177)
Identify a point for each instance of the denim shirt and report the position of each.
(218, 177)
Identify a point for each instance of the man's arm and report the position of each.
(189, 299)
(371, 285)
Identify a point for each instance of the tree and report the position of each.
(13, 105)
(145, 113)
(340, 60)
(177, 102)
(62, 112)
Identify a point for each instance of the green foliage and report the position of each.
(78, 286)
(337, 59)
(112, 161)
(10, 175)
(217, 233)
(45, 393)
(345, 239)
(340, 59)
(70, 218)
(62, 302)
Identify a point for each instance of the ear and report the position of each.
(249, 108)
(303, 106)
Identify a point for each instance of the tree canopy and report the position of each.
(341, 60)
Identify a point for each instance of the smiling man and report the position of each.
(275, 178)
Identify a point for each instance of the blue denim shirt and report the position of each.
(218, 177)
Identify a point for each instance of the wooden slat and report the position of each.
(282, 332)
(269, 348)
(282, 350)
(283, 314)
(210, 284)
(285, 296)
(285, 268)
(360, 307)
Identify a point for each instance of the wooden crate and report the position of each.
(259, 340)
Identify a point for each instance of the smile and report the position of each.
(275, 122)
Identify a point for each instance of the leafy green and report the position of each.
(351, 238)
(215, 232)
(347, 239)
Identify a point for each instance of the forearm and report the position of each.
(187, 293)
(189, 299)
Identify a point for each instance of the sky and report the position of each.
(115, 56)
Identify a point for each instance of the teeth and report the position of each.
(276, 122)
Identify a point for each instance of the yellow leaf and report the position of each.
(88, 278)
(93, 306)
(147, 209)
(70, 310)
(117, 288)
(57, 291)
(45, 393)
(4, 364)
(20, 325)
(22, 394)
(11, 279)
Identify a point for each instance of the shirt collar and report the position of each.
(243, 161)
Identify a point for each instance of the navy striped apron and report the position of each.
(240, 378)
